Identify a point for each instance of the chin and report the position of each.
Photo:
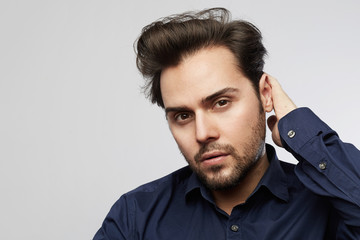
(219, 178)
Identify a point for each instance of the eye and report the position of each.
(221, 103)
(182, 117)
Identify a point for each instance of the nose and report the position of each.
(206, 129)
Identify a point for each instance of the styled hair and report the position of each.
(166, 42)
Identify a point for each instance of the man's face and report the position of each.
(215, 116)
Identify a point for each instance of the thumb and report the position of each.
(271, 121)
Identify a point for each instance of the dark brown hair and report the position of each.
(166, 42)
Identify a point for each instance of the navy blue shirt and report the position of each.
(319, 198)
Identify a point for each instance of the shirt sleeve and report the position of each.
(327, 166)
(117, 224)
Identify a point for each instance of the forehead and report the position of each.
(200, 75)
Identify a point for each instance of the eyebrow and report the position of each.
(204, 101)
(217, 94)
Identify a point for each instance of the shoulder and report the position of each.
(296, 188)
(175, 181)
(134, 208)
(157, 192)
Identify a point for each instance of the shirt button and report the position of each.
(322, 166)
(234, 228)
(291, 134)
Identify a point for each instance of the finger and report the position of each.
(273, 82)
(281, 101)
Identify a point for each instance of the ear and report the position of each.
(265, 92)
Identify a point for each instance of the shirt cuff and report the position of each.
(298, 127)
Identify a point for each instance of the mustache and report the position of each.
(226, 148)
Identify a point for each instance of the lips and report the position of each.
(213, 157)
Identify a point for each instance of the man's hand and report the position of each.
(282, 105)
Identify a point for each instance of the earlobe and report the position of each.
(265, 93)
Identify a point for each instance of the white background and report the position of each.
(76, 131)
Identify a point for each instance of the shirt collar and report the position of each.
(196, 186)
(274, 180)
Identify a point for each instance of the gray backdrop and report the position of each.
(75, 130)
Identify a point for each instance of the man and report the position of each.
(207, 73)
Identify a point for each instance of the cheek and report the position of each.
(239, 124)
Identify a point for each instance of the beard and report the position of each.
(214, 178)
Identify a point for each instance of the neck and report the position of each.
(228, 199)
